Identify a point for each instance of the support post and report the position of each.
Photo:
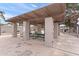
(77, 31)
(49, 31)
(39, 28)
(56, 30)
(26, 27)
(15, 30)
(0, 29)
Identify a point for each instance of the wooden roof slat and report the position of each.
(52, 10)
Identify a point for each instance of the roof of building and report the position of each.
(56, 10)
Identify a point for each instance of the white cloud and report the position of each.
(22, 6)
(19, 7)
(34, 5)
(7, 16)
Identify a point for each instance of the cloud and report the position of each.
(7, 16)
(34, 5)
(24, 6)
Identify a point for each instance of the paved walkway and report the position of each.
(66, 45)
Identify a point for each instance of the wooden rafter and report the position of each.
(52, 10)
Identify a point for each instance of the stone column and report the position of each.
(15, 30)
(39, 28)
(35, 28)
(21, 29)
(77, 31)
(49, 31)
(56, 30)
(26, 27)
(0, 29)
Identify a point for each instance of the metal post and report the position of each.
(78, 27)
(77, 31)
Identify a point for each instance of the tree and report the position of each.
(72, 13)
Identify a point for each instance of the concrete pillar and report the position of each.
(21, 29)
(35, 28)
(77, 31)
(15, 30)
(26, 27)
(49, 31)
(39, 28)
(56, 30)
(0, 29)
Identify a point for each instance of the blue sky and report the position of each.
(14, 9)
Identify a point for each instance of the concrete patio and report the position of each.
(66, 45)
